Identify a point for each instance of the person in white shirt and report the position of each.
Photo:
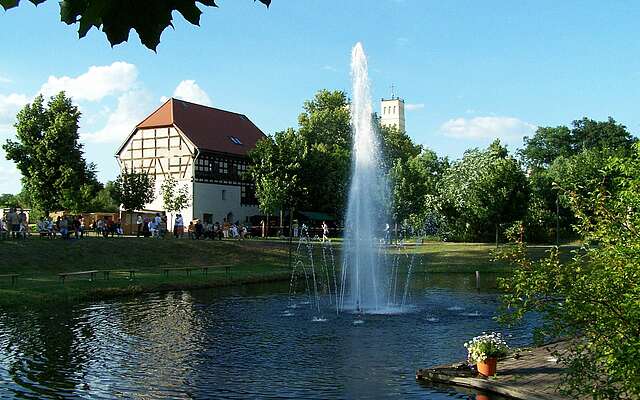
(178, 226)
(325, 232)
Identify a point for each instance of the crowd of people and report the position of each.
(15, 224)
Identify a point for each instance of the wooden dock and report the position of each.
(529, 374)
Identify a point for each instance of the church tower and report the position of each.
(392, 111)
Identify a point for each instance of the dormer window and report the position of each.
(235, 140)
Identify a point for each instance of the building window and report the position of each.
(224, 194)
(208, 218)
(235, 140)
(394, 109)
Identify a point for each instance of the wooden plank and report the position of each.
(529, 374)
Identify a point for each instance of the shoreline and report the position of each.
(527, 374)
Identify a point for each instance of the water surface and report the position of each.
(242, 343)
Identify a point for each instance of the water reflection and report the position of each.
(236, 343)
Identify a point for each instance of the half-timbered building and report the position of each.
(203, 148)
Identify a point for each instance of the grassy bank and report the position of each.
(39, 261)
(442, 257)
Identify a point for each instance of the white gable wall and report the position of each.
(208, 200)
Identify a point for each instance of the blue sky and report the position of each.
(469, 70)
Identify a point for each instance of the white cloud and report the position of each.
(189, 90)
(9, 176)
(95, 84)
(4, 79)
(414, 107)
(9, 106)
(505, 128)
(329, 68)
(133, 107)
(402, 41)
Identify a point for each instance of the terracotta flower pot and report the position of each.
(488, 366)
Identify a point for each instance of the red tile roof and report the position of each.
(207, 127)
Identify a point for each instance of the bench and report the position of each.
(205, 269)
(165, 271)
(106, 273)
(14, 278)
(92, 274)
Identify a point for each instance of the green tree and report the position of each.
(133, 190)
(174, 198)
(482, 192)
(325, 129)
(549, 143)
(104, 200)
(566, 157)
(397, 145)
(49, 156)
(594, 297)
(116, 18)
(276, 169)
(414, 184)
(9, 200)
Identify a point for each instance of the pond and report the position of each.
(245, 342)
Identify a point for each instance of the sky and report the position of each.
(469, 71)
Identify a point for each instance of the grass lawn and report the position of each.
(39, 261)
(443, 257)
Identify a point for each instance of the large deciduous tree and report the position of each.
(595, 297)
(397, 146)
(325, 129)
(566, 157)
(276, 171)
(482, 192)
(116, 18)
(49, 156)
(549, 143)
(413, 186)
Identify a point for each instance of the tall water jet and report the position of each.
(364, 281)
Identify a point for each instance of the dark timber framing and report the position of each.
(226, 169)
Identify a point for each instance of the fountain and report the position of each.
(364, 281)
(371, 279)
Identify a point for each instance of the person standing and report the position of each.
(178, 226)
(325, 232)
(387, 234)
(24, 222)
(139, 222)
(76, 226)
(295, 228)
(225, 228)
(13, 222)
(199, 229)
(217, 231)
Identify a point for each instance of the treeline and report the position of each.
(48, 154)
(486, 194)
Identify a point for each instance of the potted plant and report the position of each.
(484, 351)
